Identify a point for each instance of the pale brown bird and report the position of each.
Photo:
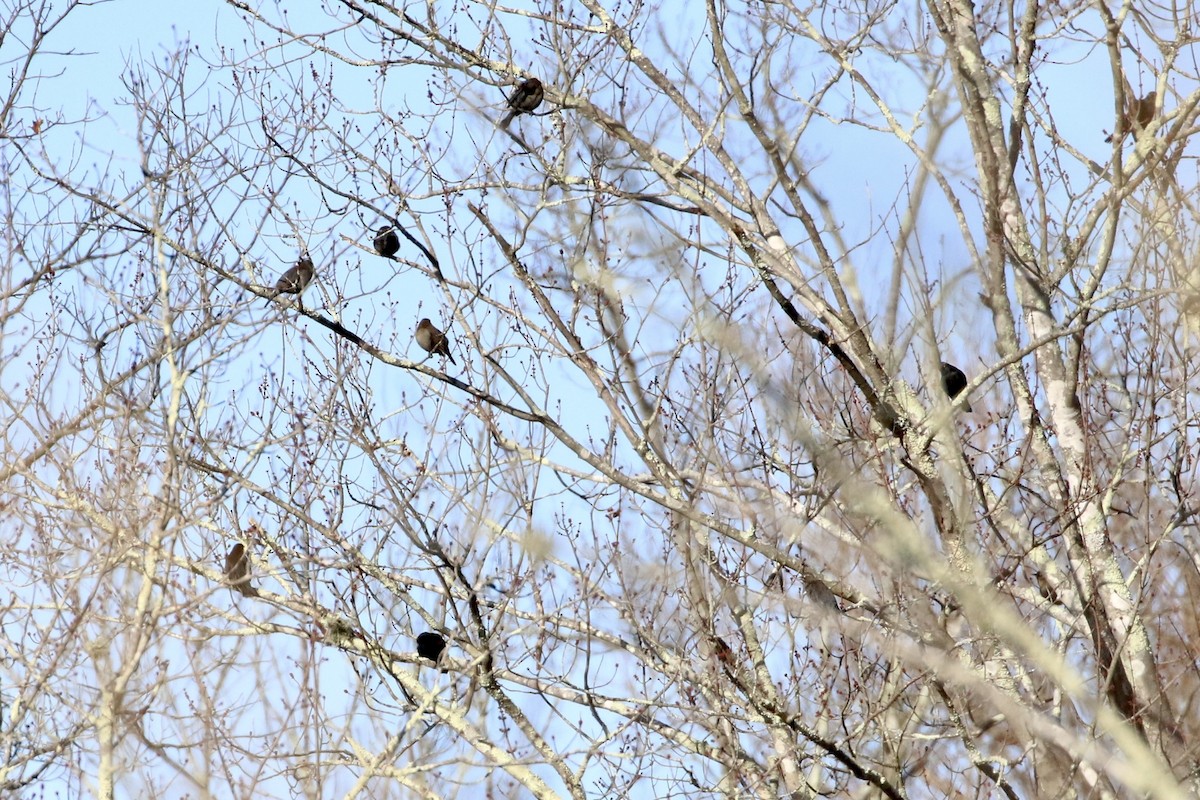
(297, 278)
(431, 340)
(1138, 115)
(953, 382)
(387, 243)
(237, 570)
(525, 98)
(1145, 110)
(430, 645)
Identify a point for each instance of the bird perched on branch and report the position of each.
(525, 98)
(954, 381)
(723, 652)
(387, 243)
(430, 645)
(237, 570)
(297, 278)
(1138, 114)
(431, 340)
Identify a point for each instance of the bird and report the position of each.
(1145, 110)
(525, 98)
(1138, 115)
(954, 381)
(297, 278)
(387, 243)
(432, 340)
(430, 645)
(723, 652)
(237, 570)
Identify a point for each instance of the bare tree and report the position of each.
(689, 503)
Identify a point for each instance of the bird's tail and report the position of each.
(508, 118)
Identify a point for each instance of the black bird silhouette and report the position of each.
(954, 381)
(297, 278)
(525, 98)
(387, 243)
(237, 570)
(430, 645)
(431, 340)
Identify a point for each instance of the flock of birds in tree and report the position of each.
(525, 98)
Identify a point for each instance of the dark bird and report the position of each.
(430, 645)
(954, 381)
(723, 652)
(432, 340)
(525, 98)
(296, 279)
(1046, 588)
(237, 570)
(387, 243)
(1138, 114)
